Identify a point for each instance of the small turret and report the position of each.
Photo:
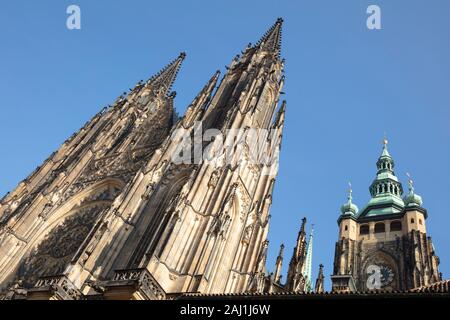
(319, 281)
(412, 199)
(349, 208)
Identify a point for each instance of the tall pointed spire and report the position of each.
(296, 265)
(307, 268)
(319, 281)
(278, 265)
(271, 40)
(200, 102)
(162, 81)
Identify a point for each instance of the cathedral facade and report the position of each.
(125, 208)
(111, 215)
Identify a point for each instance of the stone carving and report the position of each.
(54, 253)
(214, 179)
(145, 281)
(247, 234)
(61, 286)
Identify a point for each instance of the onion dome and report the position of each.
(349, 208)
(412, 199)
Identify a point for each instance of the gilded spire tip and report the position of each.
(410, 182)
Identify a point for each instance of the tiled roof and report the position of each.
(436, 288)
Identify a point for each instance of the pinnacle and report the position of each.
(271, 40)
(164, 79)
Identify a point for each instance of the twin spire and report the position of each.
(164, 79)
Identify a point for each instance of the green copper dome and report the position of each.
(412, 199)
(349, 207)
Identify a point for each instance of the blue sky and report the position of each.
(345, 86)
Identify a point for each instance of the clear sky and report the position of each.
(345, 86)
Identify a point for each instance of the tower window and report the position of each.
(412, 220)
(346, 228)
(379, 227)
(420, 221)
(364, 229)
(396, 226)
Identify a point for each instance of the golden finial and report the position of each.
(385, 140)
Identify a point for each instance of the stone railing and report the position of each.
(60, 285)
(144, 281)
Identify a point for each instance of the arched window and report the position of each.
(345, 228)
(420, 221)
(396, 226)
(379, 227)
(412, 220)
(364, 229)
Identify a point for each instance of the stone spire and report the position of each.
(319, 281)
(278, 265)
(296, 265)
(162, 81)
(307, 268)
(199, 104)
(271, 40)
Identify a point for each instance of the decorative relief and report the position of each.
(146, 283)
(61, 285)
(214, 178)
(54, 253)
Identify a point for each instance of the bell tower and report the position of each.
(385, 245)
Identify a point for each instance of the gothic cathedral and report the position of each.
(110, 215)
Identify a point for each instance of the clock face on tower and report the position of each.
(387, 275)
(380, 273)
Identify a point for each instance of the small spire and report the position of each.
(410, 183)
(412, 199)
(280, 254)
(278, 265)
(302, 229)
(319, 282)
(349, 207)
(385, 152)
(307, 271)
(165, 78)
(271, 40)
(350, 192)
